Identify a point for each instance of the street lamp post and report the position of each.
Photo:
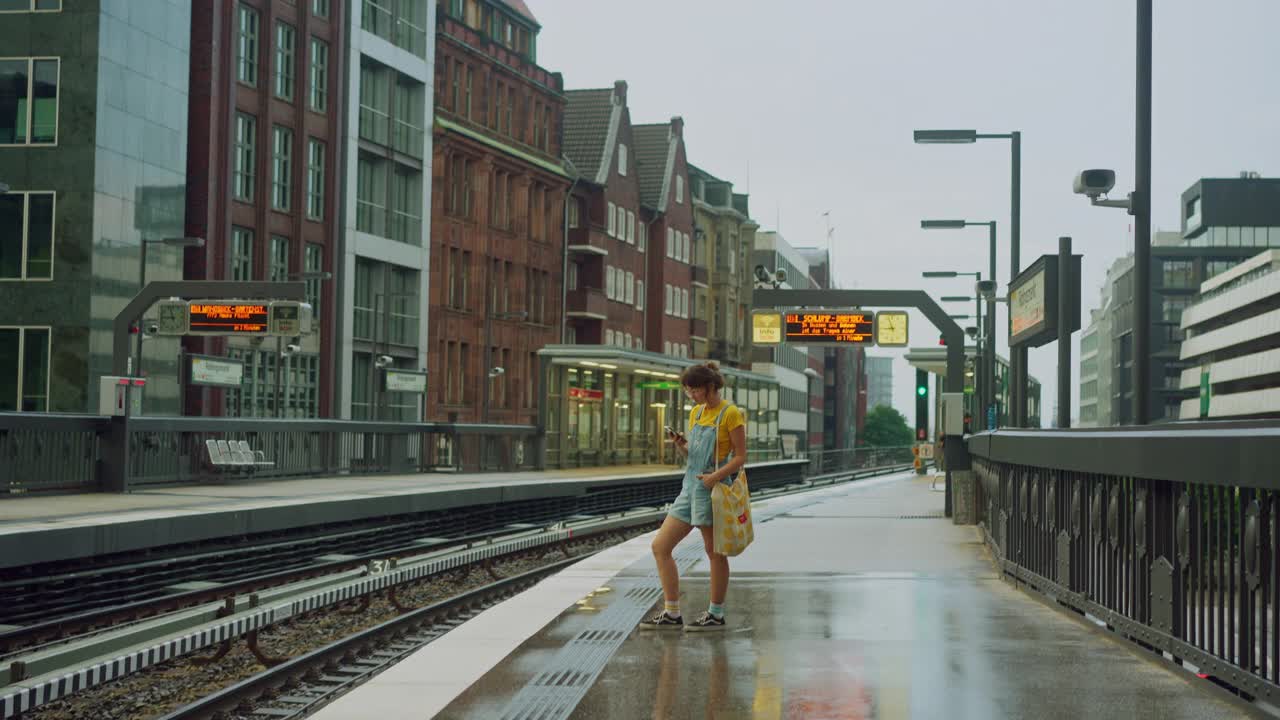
(980, 384)
(989, 377)
(183, 242)
(1017, 355)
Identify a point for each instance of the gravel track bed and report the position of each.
(161, 689)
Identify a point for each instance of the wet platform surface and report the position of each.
(851, 607)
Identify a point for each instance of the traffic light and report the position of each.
(922, 405)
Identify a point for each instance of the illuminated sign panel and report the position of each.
(766, 328)
(830, 327)
(228, 318)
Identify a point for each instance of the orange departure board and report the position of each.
(830, 327)
(228, 318)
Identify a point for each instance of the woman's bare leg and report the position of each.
(669, 535)
(719, 567)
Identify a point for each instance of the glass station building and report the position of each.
(608, 406)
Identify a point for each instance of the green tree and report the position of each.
(886, 427)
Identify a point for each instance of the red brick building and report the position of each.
(497, 214)
(606, 286)
(665, 194)
(266, 115)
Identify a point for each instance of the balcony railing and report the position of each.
(407, 138)
(587, 302)
(374, 125)
(405, 228)
(583, 240)
(701, 275)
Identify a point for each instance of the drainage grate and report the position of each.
(557, 690)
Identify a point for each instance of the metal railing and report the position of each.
(1168, 534)
(43, 452)
(829, 462)
(52, 452)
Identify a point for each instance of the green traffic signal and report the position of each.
(921, 390)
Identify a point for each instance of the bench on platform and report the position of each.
(235, 454)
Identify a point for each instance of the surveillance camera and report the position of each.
(780, 275)
(1095, 183)
(153, 329)
(762, 274)
(986, 288)
(383, 361)
(291, 348)
(971, 331)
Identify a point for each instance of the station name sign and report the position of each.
(830, 327)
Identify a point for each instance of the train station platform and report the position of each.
(52, 528)
(856, 601)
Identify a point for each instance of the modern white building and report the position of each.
(383, 292)
(786, 363)
(879, 381)
(1233, 343)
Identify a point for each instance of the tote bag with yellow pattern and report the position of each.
(731, 513)
(731, 516)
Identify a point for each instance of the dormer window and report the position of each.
(622, 159)
(679, 188)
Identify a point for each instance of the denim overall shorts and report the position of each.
(693, 504)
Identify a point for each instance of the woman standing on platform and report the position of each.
(717, 434)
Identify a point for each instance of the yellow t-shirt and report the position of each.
(731, 420)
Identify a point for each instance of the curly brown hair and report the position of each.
(705, 375)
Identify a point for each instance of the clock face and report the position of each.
(173, 318)
(891, 328)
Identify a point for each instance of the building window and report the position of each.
(371, 195)
(24, 369)
(243, 170)
(278, 261)
(630, 288)
(320, 8)
(318, 92)
(241, 254)
(460, 187)
(313, 265)
(575, 213)
(666, 347)
(315, 179)
(642, 236)
(639, 294)
(1179, 274)
(470, 83)
(612, 220)
(608, 281)
(622, 159)
(679, 188)
(669, 304)
(26, 235)
(671, 243)
(285, 41)
(608, 337)
(29, 101)
(407, 134)
(1216, 267)
(281, 167)
(17, 6)
(247, 47)
(622, 224)
(406, 205)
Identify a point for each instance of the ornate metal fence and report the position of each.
(1168, 534)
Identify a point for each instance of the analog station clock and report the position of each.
(891, 328)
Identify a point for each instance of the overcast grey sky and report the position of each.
(818, 99)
